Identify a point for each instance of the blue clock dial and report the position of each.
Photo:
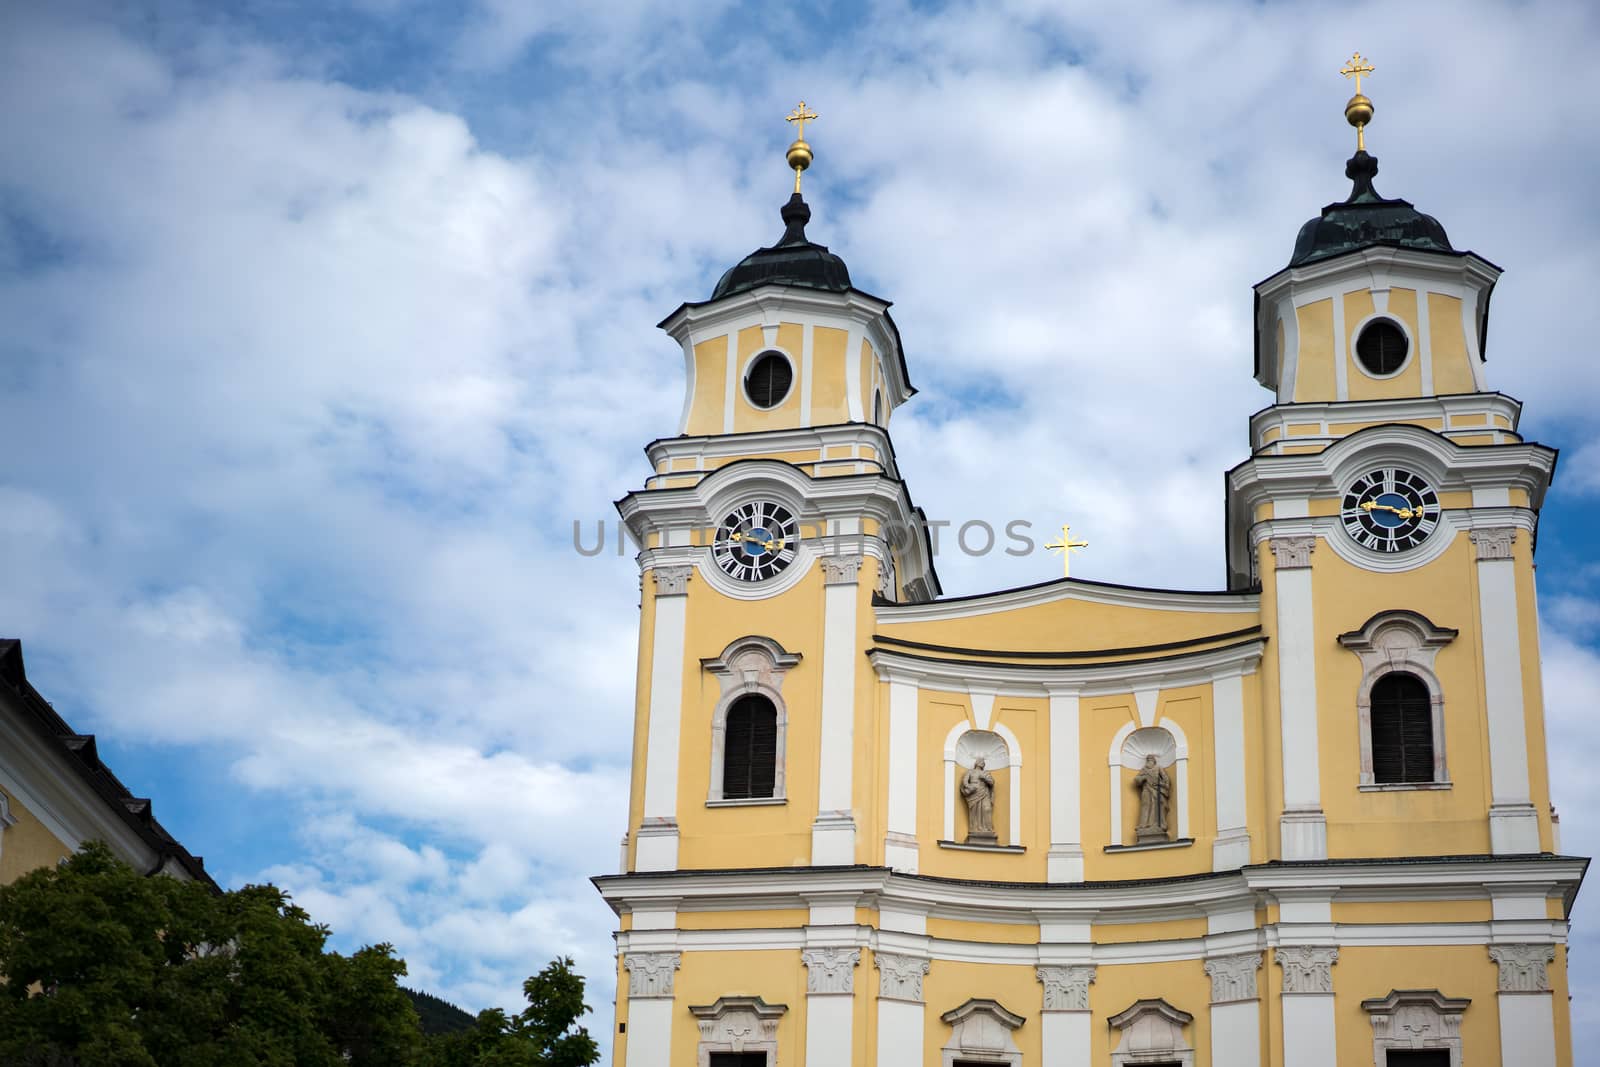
(756, 541)
(1390, 510)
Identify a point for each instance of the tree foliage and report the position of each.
(107, 967)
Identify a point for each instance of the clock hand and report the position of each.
(1404, 513)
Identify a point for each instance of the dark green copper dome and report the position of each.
(1365, 220)
(792, 261)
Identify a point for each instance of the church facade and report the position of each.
(1303, 820)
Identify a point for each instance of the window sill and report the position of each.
(1154, 846)
(748, 802)
(1400, 787)
(962, 846)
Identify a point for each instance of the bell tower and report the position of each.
(769, 526)
(1387, 514)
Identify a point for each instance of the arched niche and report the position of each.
(1170, 746)
(1002, 756)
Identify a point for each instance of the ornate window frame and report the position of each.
(1152, 1032)
(749, 665)
(1399, 641)
(1415, 1019)
(981, 1033)
(738, 1024)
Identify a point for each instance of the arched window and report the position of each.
(1402, 729)
(750, 749)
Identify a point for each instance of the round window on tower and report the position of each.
(767, 381)
(1382, 347)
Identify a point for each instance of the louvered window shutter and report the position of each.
(750, 749)
(1402, 730)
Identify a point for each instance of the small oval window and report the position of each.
(1382, 347)
(769, 379)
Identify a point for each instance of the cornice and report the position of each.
(1464, 268)
(1126, 596)
(1032, 679)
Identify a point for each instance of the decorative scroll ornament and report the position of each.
(650, 973)
(1410, 1019)
(1523, 967)
(900, 977)
(738, 1025)
(1493, 542)
(673, 580)
(886, 579)
(1292, 553)
(1307, 968)
(841, 570)
(831, 970)
(1233, 977)
(1066, 986)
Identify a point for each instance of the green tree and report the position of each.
(544, 1034)
(104, 966)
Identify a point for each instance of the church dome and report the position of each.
(792, 261)
(1365, 220)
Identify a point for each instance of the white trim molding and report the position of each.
(1418, 1019)
(833, 833)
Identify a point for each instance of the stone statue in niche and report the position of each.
(1155, 789)
(977, 789)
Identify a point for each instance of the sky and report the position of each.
(324, 322)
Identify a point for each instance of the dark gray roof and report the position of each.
(792, 261)
(1365, 219)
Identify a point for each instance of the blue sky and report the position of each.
(320, 318)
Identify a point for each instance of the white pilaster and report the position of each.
(830, 1000)
(1064, 863)
(1064, 1024)
(1527, 1006)
(1308, 1021)
(657, 848)
(1303, 828)
(1513, 821)
(1235, 1010)
(833, 835)
(650, 984)
(1231, 849)
(900, 1007)
(900, 840)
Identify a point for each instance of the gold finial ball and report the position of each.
(1358, 112)
(799, 156)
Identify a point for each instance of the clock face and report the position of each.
(1390, 510)
(756, 541)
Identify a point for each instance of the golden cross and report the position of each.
(800, 116)
(1066, 546)
(1354, 69)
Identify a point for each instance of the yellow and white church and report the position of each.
(1301, 821)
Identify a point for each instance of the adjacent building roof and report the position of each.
(1365, 219)
(78, 752)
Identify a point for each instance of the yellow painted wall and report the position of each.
(1383, 823)
(1314, 362)
(1181, 983)
(828, 401)
(949, 985)
(27, 844)
(1454, 970)
(1063, 624)
(776, 976)
(1452, 363)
